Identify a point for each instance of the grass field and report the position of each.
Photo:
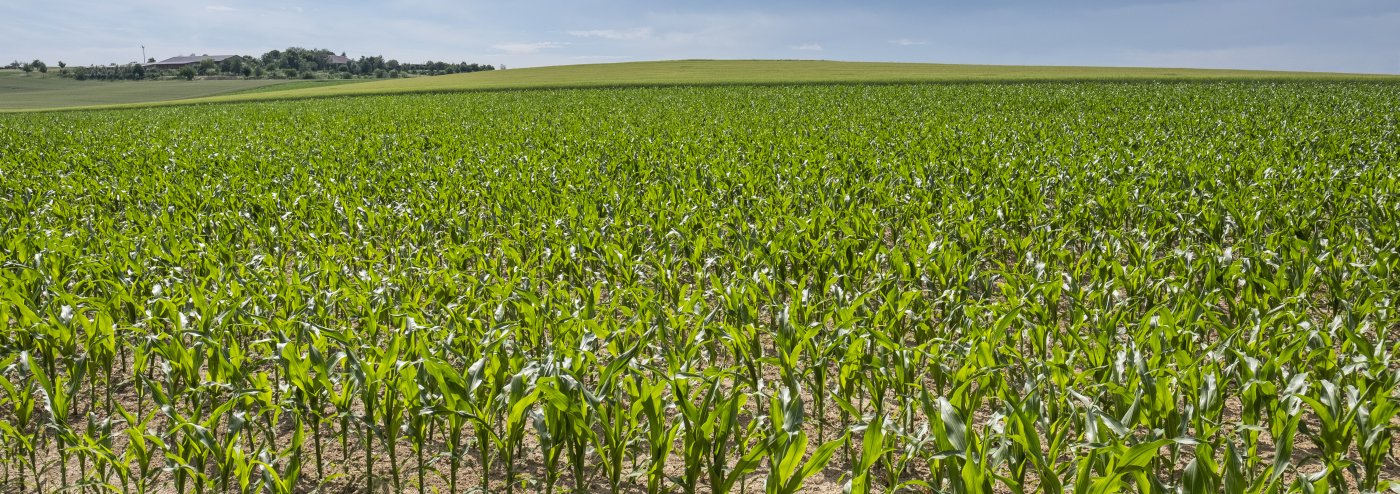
(690, 72)
(20, 91)
(1088, 287)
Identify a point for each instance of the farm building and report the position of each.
(177, 62)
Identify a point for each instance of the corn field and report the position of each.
(959, 288)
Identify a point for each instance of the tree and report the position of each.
(207, 66)
(28, 68)
(232, 65)
(151, 60)
(62, 65)
(187, 73)
(39, 64)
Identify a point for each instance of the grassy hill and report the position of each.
(721, 72)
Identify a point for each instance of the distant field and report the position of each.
(691, 73)
(20, 91)
(305, 84)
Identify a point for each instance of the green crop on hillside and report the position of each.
(1041, 287)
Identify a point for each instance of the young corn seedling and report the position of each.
(518, 397)
(278, 479)
(617, 423)
(787, 445)
(141, 450)
(874, 447)
(58, 394)
(21, 400)
(708, 431)
(557, 423)
(648, 396)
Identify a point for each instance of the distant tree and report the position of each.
(187, 73)
(207, 66)
(231, 65)
(151, 60)
(62, 65)
(39, 65)
(28, 68)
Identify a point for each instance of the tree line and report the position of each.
(291, 63)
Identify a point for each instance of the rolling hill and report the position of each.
(758, 72)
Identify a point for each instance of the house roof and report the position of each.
(337, 59)
(193, 59)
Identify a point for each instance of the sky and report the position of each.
(1314, 35)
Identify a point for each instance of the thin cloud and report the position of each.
(219, 8)
(808, 47)
(614, 34)
(528, 48)
(908, 42)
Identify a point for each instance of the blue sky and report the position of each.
(1322, 35)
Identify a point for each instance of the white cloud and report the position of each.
(527, 48)
(808, 47)
(614, 34)
(219, 8)
(908, 42)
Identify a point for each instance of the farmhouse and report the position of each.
(337, 59)
(177, 62)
